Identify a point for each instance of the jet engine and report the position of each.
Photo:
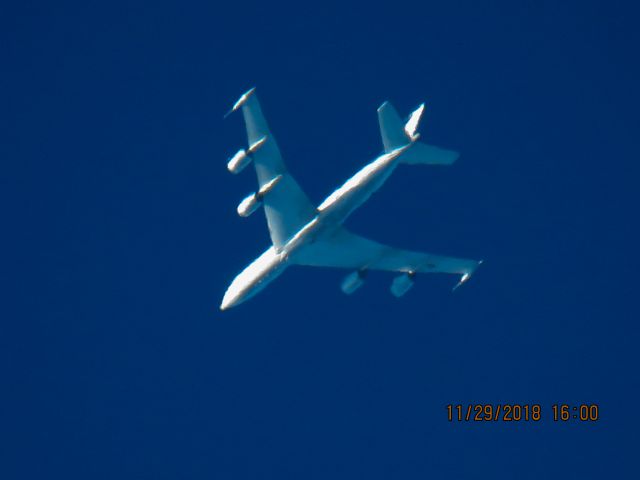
(402, 284)
(249, 205)
(353, 281)
(253, 201)
(238, 162)
(242, 158)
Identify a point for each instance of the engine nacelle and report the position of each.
(402, 284)
(238, 162)
(242, 158)
(249, 205)
(253, 201)
(353, 281)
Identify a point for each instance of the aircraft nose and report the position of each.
(228, 301)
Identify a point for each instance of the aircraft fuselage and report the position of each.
(331, 213)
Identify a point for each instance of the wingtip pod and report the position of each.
(241, 101)
(243, 98)
(466, 276)
(383, 105)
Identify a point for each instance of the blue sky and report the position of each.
(121, 238)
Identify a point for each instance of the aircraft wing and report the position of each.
(348, 250)
(286, 206)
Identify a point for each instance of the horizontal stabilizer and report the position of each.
(423, 154)
(397, 134)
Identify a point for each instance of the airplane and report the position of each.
(302, 234)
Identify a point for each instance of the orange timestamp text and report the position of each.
(515, 412)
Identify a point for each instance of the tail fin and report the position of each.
(396, 135)
(391, 128)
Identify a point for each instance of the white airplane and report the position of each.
(305, 235)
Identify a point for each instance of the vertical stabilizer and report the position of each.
(396, 134)
(391, 128)
(411, 126)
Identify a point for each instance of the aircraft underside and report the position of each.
(302, 234)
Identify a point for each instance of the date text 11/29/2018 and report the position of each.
(514, 412)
